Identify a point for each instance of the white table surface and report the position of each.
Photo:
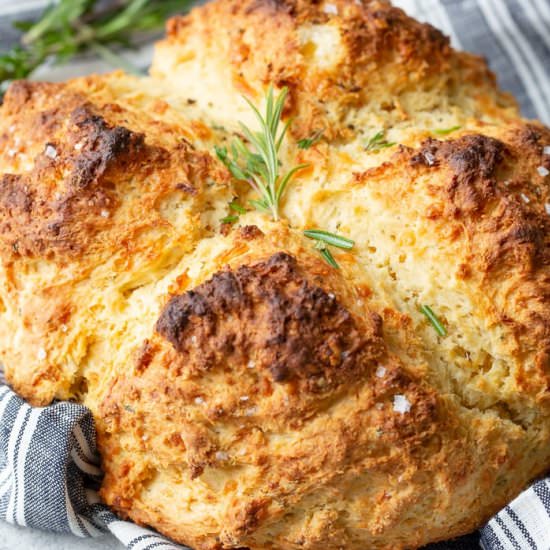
(21, 538)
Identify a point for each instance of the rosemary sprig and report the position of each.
(324, 239)
(69, 27)
(306, 143)
(377, 142)
(432, 317)
(446, 131)
(230, 219)
(257, 162)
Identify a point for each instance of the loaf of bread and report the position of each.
(248, 394)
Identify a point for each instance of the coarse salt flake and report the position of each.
(221, 455)
(251, 411)
(401, 404)
(525, 198)
(64, 328)
(244, 398)
(104, 213)
(543, 171)
(547, 208)
(380, 372)
(50, 151)
(251, 364)
(199, 401)
(546, 150)
(429, 158)
(78, 146)
(330, 8)
(41, 354)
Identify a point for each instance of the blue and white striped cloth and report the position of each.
(49, 467)
(50, 472)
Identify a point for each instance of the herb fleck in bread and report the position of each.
(247, 393)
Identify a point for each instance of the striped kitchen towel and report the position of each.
(49, 473)
(49, 469)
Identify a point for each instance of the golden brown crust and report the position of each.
(296, 331)
(246, 393)
(256, 338)
(64, 200)
(335, 60)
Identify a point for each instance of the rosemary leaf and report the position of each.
(327, 255)
(446, 131)
(377, 142)
(235, 206)
(330, 238)
(230, 219)
(432, 317)
(306, 143)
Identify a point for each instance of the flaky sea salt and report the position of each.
(525, 198)
(547, 208)
(546, 150)
(41, 354)
(221, 455)
(244, 398)
(104, 213)
(199, 401)
(251, 364)
(401, 404)
(50, 151)
(543, 171)
(380, 372)
(330, 8)
(429, 158)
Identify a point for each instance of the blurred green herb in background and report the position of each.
(70, 27)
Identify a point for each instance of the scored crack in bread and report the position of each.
(246, 393)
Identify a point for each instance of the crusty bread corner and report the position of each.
(246, 393)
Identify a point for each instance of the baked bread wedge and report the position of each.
(247, 392)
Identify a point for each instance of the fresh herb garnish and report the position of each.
(230, 219)
(235, 206)
(69, 27)
(432, 317)
(258, 164)
(446, 131)
(330, 238)
(378, 142)
(306, 143)
(324, 239)
(329, 258)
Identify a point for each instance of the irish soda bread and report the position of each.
(248, 394)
